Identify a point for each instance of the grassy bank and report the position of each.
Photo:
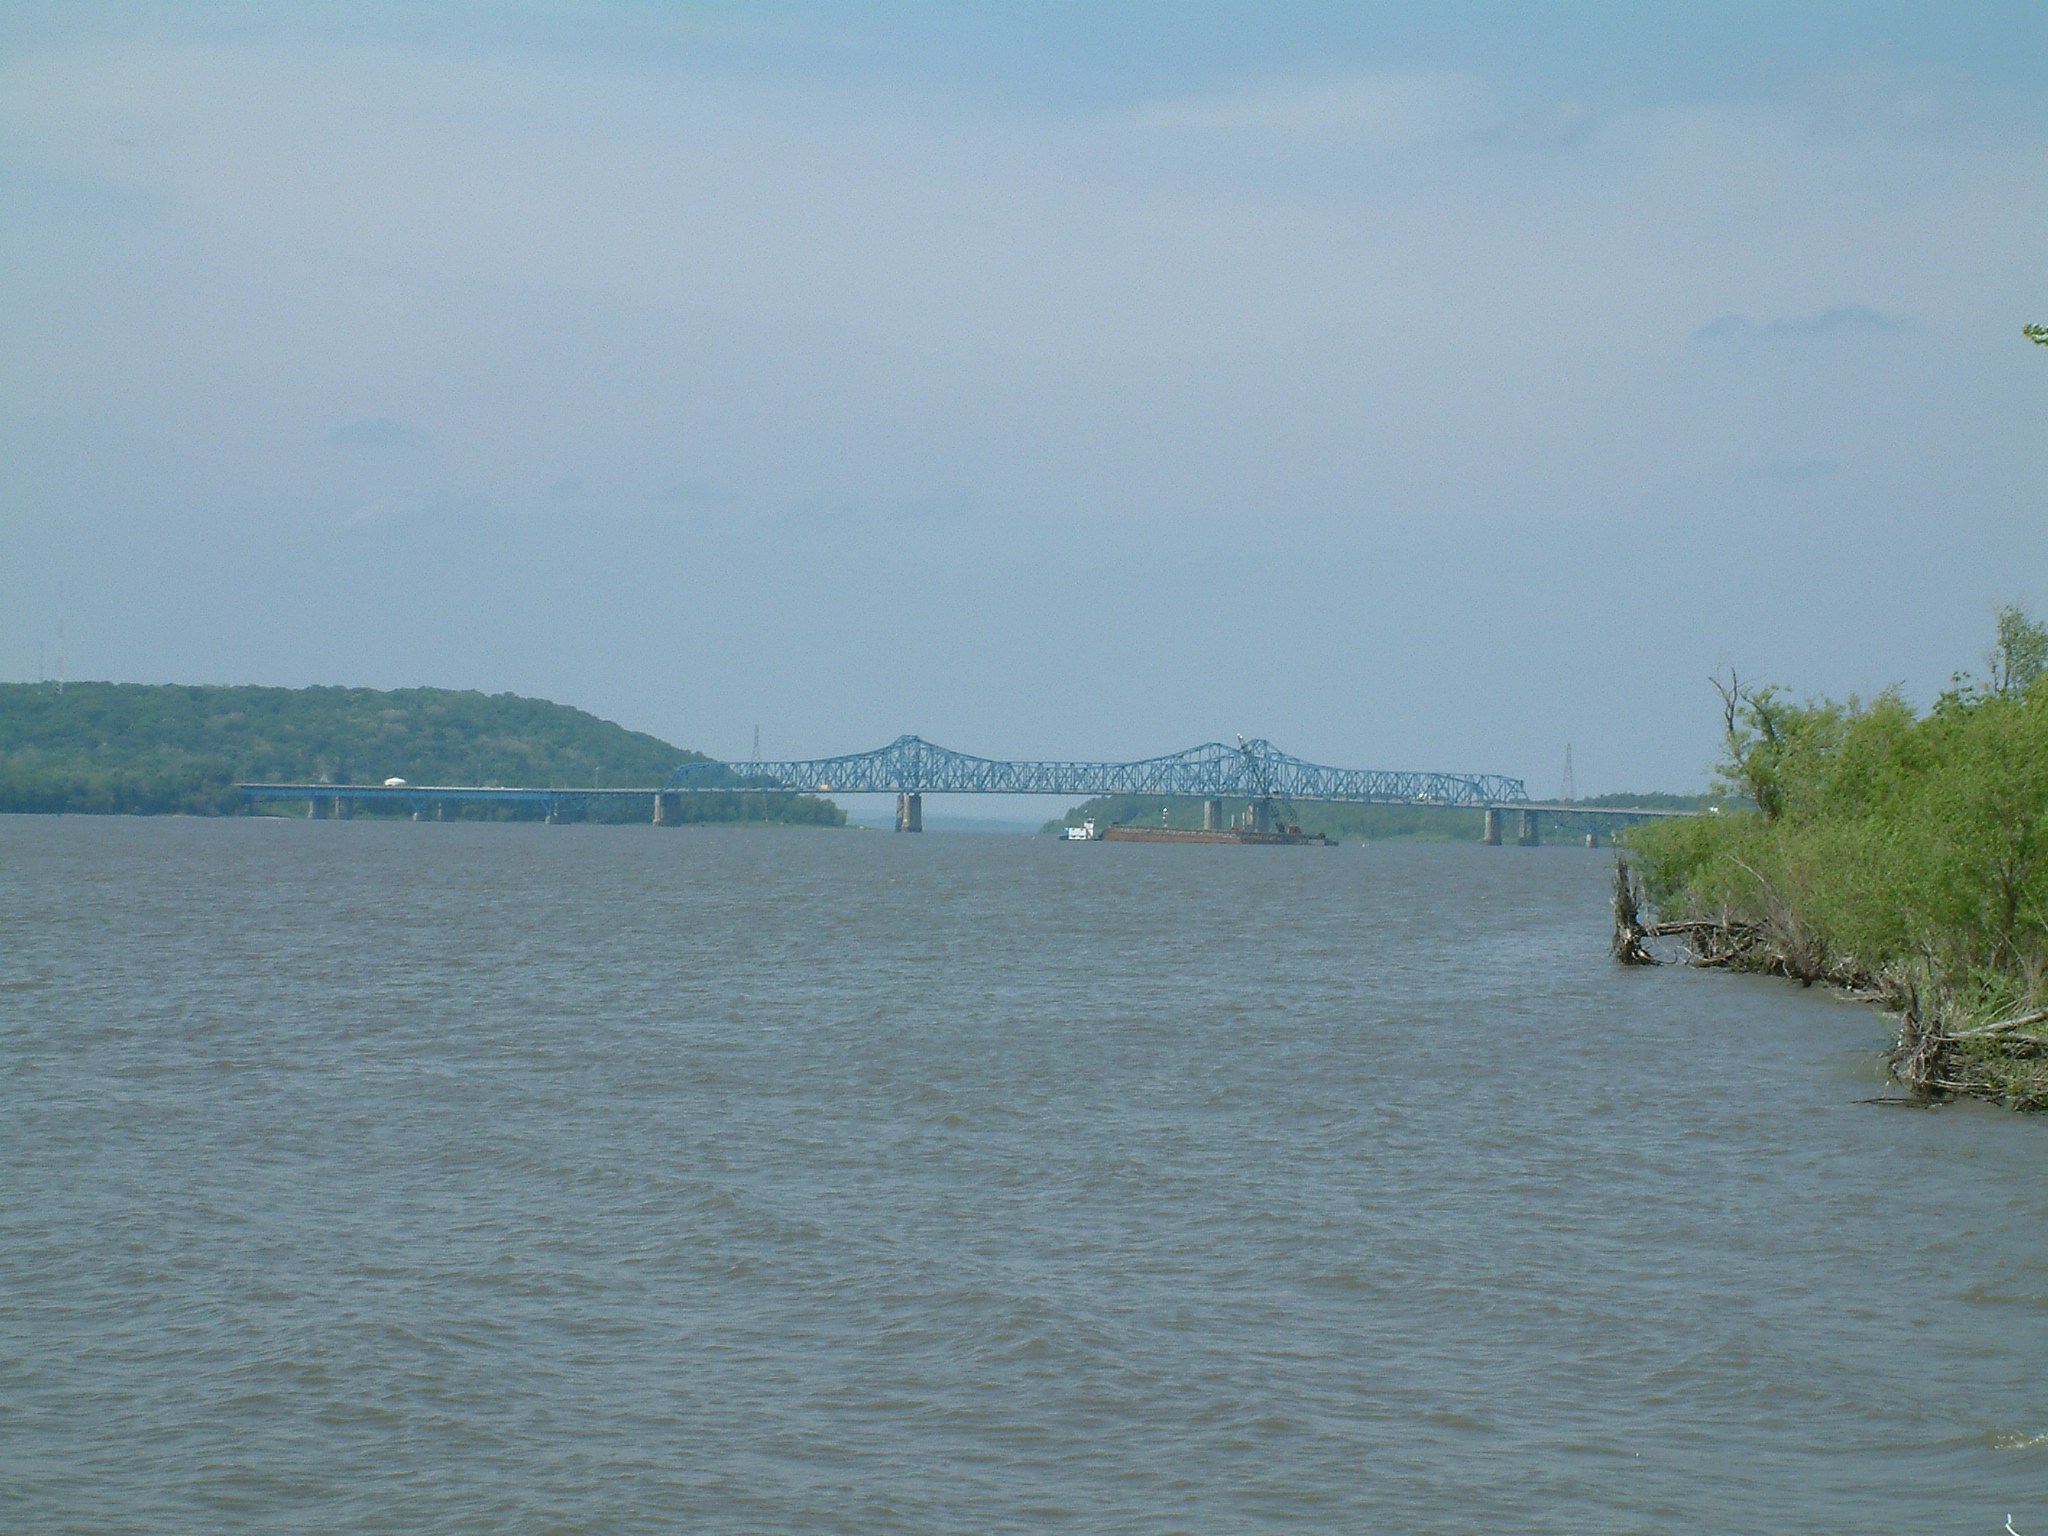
(148, 749)
(1900, 854)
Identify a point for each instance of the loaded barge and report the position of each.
(1286, 835)
(1289, 836)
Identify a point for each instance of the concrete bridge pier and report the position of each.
(910, 813)
(1592, 839)
(1212, 815)
(668, 809)
(1262, 815)
(1490, 834)
(1530, 834)
(319, 808)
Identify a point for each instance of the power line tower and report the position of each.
(1569, 791)
(757, 744)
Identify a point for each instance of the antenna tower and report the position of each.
(1569, 791)
(757, 744)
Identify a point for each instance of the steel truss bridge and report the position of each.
(1251, 770)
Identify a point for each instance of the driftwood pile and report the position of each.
(2006, 1060)
(1629, 927)
(1941, 1050)
(1709, 941)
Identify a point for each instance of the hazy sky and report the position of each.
(1419, 386)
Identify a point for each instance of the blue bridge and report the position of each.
(1254, 774)
(1251, 770)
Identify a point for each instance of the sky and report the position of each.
(1419, 386)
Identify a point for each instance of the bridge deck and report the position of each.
(1249, 771)
(504, 794)
(416, 796)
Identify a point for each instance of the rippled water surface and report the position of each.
(362, 1177)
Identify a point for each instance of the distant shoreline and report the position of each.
(98, 748)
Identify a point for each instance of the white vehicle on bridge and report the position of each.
(395, 784)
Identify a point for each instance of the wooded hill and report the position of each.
(154, 749)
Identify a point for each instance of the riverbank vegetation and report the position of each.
(1898, 854)
(149, 749)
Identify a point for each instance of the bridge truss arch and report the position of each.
(1251, 770)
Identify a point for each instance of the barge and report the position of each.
(1288, 836)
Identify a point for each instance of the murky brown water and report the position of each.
(362, 1177)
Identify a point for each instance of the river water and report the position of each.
(366, 1177)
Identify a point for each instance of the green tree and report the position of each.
(1763, 730)
(1882, 838)
(2019, 654)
